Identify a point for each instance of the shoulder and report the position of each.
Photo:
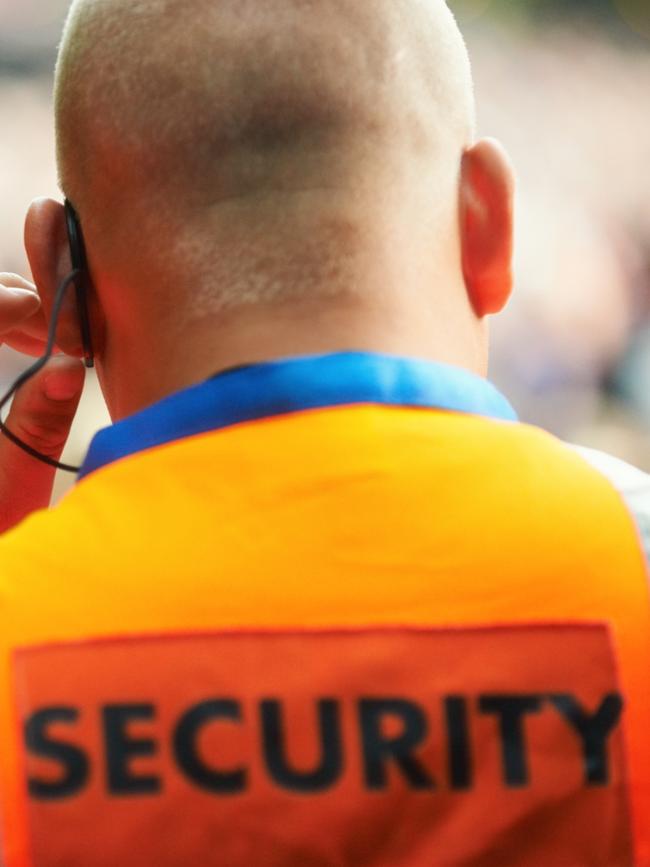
(633, 485)
(55, 544)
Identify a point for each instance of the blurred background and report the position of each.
(565, 84)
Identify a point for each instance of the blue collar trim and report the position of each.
(293, 385)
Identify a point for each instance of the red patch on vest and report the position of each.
(497, 746)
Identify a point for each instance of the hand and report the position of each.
(42, 411)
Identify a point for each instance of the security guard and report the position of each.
(318, 598)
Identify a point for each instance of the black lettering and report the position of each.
(379, 750)
(511, 711)
(459, 758)
(330, 763)
(593, 731)
(121, 749)
(186, 751)
(72, 759)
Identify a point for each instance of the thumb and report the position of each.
(41, 416)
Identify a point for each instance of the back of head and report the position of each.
(263, 147)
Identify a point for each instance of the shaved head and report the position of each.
(261, 143)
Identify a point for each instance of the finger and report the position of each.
(34, 327)
(44, 408)
(41, 416)
(25, 344)
(17, 304)
(9, 279)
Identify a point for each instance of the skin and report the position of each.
(316, 187)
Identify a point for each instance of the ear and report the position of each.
(46, 243)
(486, 224)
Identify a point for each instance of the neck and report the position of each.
(144, 371)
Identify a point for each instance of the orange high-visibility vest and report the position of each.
(327, 612)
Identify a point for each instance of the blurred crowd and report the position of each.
(570, 104)
(573, 350)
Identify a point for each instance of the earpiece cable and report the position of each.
(36, 368)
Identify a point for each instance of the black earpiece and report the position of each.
(80, 278)
(80, 264)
